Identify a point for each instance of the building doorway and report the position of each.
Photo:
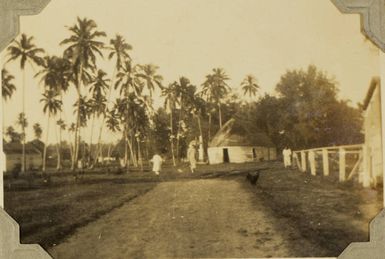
(226, 158)
(254, 154)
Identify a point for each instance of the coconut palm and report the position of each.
(216, 88)
(199, 110)
(128, 79)
(250, 86)
(62, 127)
(152, 79)
(82, 47)
(23, 123)
(56, 75)
(170, 103)
(25, 51)
(52, 104)
(112, 121)
(7, 86)
(98, 89)
(129, 84)
(37, 130)
(119, 50)
(184, 92)
(112, 124)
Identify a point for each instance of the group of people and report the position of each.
(157, 159)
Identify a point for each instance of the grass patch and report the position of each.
(325, 211)
(47, 216)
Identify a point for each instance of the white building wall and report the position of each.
(373, 137)
(215, 155)
(241, 154)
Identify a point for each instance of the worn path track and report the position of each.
(198, 218)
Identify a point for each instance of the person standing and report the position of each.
(157, 161)
(191, 156)
(286, 157)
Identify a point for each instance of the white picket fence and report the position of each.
(306, 161)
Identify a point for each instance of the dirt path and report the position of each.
(199, 218)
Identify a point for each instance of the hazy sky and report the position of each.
(190, 37)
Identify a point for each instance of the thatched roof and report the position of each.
(17, 148)
(233, 133)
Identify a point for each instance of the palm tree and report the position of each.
(27, 52)
(23, 123)
(119, 49)
(98, 88)
(215, 88)
(170, 102)
(198, 110)
(128, 79)
(83, 45)
(250, 86)
(56, 75)
(129, 84)
(62, 127)
(51, 106)
(184, 92)
(112, 124)
(152, 79)
(7, 86)
(37, 130)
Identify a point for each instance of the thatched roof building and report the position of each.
(235, 144)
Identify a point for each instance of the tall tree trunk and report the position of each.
(46, 145)
(126, 149)
(201, 143)
(131, 147)
(59, 166)
(220, 115)
(172, 138)
(140, 155)
(178, 133)
(57, 151)
(77, 138)
(23, 163)
(99, 147)
(210, 126)
(90, 148)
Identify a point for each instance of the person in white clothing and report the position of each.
(191, 156)
(157, 161)
(286, 157)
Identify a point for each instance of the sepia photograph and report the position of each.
(192, 129)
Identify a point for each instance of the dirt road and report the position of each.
(198, 218)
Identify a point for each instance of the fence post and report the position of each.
(303, 161)
(312, 162)
(366, 170)
(325, 160)
(342, 163)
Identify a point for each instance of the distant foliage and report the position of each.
(307, 112)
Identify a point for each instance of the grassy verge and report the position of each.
(326, 212)
(47, 216)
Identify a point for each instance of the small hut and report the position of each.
(373, 133)
(233, 143)
(13, 156)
